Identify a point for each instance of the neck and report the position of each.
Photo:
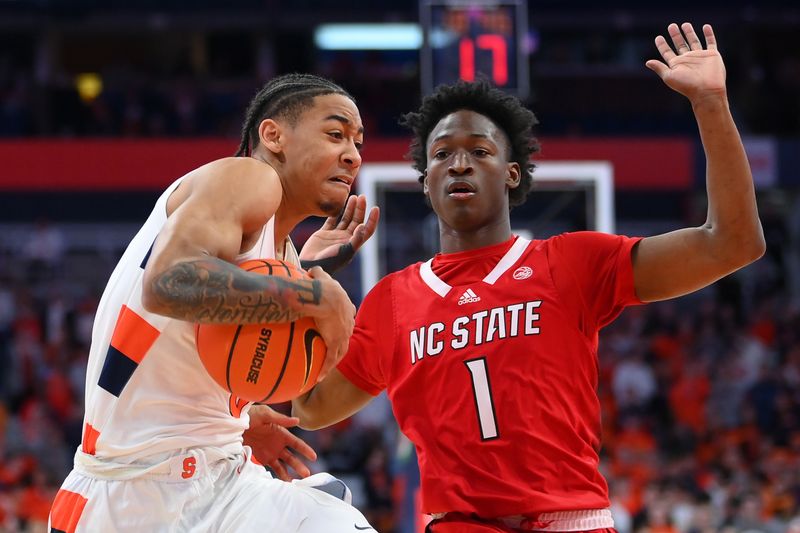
(285, 221)
(454, 240)
(285, 217)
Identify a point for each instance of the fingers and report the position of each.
(354, 213)
(283, 420)
(347, 214)
(711, 40)
(332, 359)
(677, 39)
(658, 67)
(288, 460)
(684, 39)
(372, 222)
(317, 273)
(336, 350)
(363, 232)
(300, 446)
(691, 37)
(279, 470)
(295, 464)
(330, 223)
(360, 209)
(664, 49)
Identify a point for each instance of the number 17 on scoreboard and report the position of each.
(465, 38)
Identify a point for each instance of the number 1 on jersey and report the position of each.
(483, 398)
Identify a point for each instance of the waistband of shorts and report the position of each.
(184, 465)
(582, 520)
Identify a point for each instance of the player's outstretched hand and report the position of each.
(335, 318)
(690, 69)
(274, 446)
(336, 242)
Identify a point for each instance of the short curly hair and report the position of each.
(506, 111)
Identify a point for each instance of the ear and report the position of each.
(514, 176)
(270, 135)
(425, 182)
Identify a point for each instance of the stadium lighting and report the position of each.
(368, 36)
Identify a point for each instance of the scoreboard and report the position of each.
(466, 38)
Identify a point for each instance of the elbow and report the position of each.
(309, 424)
(759, 248)
(308, 420)
(747, 250)
(753, 248)
(150, 301)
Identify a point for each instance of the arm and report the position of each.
(679, 262)
(331, 400)
(190, 276)
(333, 246)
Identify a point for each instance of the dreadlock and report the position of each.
(284, 97)
(506, 111)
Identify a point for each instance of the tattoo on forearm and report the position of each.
(212, 290)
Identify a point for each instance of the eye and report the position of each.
(480, 152)
(336, 134)
(358, 145)
(440, 154)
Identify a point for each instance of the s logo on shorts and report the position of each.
(189, 467)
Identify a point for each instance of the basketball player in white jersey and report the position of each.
(162, 447)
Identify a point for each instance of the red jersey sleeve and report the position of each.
(599, 266)
(372, 343)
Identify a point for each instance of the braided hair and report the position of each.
(506, 111)
(284, 97)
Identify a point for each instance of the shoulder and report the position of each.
(243, 187)
(236, 173)
(585, 241)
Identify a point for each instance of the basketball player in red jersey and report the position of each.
(164, 448)
(488, 351)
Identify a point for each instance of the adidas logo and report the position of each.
(468, 297)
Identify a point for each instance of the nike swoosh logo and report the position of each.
(308, 344)
(363, 528)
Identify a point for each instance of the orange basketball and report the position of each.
(268, 363)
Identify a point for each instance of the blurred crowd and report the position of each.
(701, 403)
(189, 84)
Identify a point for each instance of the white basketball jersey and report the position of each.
(147, 393)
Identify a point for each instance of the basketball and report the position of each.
(266, 363)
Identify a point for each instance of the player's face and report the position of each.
(469, 174)
(322, 153)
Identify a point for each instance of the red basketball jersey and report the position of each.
(489, 358)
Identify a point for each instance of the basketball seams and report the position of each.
(231, 353)
(286, 356)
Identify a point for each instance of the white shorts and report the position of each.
(199, 492)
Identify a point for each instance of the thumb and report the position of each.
(271, 416)
(658, 67)
(285, 421)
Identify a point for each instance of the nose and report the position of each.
(352, 157)
(460, 164)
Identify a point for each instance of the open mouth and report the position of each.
(460, 189)
(343, 180)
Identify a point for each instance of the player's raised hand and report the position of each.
(336, 242)
(687, 67)
(274, 446)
